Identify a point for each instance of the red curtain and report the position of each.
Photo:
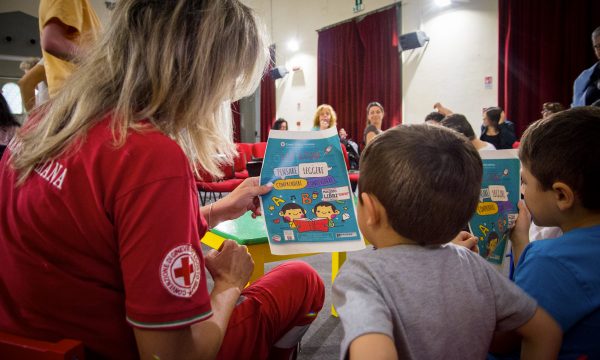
(267, 100)
(542, 49)
(359, 62)
(381, 72)
(339, 80)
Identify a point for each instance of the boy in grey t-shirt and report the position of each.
(417, 296)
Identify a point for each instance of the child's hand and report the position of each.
(520, 232)
(467, 240)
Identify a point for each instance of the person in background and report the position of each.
(33, 84)
(351, 148)
(434, 118)
(559, 182)
(586, 88)
(8, 125)
(550, 108)
(280, 124)
(375, 114)
(325, 117)
(67, 29)
(417, 295)
(459, 122)
(500, 134)
(100, 219)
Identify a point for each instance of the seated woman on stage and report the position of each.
(325, 117)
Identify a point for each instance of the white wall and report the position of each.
(450, 69)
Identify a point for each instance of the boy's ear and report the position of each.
(565, 197)
(371, 209)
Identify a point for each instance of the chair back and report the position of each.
(258, 150)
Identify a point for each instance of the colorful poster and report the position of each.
(310, 208)
(497, 209)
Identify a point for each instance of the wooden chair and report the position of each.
(18, 347)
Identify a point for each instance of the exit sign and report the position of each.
(358, 6)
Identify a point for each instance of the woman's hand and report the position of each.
(467, 240)
(243, 198)
(231, 265)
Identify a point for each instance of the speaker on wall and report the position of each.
(413, 40)
(278, 72)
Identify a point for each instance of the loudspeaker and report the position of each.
(413, 40)
(278, 72)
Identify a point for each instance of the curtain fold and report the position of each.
(358, 62)
(339, 80)
(379, 37)
(542, 49)
(267, 99)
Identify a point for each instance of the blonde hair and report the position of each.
(331, 111)
(175, 63)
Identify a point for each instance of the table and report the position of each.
(253, 233)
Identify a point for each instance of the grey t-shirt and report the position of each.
(435, 303)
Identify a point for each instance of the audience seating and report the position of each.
(17, 347)
(353, 176)
(246, 148)
(211, 189)
(258, 150)
(239, 164)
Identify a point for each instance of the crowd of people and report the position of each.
(100, 218)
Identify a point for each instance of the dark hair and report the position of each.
(434, 116)
(6, 117)
(553, 107)
(428, 179)
(324, 203)
(493, 114)
(291, 206)
(277, 124)
(458, 122)
(374, 103)
(564, 147)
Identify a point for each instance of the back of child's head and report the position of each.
(494, 114)
(564, 148)
(459, 122)
(434, 116)
(427, 178)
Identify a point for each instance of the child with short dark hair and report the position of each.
(416, 296)
(561, 175)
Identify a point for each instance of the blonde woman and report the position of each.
(325, 117)
(375, 114)
(100, 223)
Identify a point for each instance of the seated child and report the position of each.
(416, 295)
(560, 175)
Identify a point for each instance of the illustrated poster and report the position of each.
(310, 208)
(497, 209)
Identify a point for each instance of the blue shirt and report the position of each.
(563, 275)
(580, 86)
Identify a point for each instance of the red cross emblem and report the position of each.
(185, 270)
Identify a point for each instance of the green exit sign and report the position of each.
(358, 6)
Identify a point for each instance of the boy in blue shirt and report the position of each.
(560, 176)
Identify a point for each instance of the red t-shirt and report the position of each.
(101, 237)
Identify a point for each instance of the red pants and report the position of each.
(288, 296)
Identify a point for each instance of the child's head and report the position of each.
(563, 149)
(291, 212)
(427, 178)
(326, 210)
(459, 122)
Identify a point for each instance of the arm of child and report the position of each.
(541, 337)
(373, 347)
